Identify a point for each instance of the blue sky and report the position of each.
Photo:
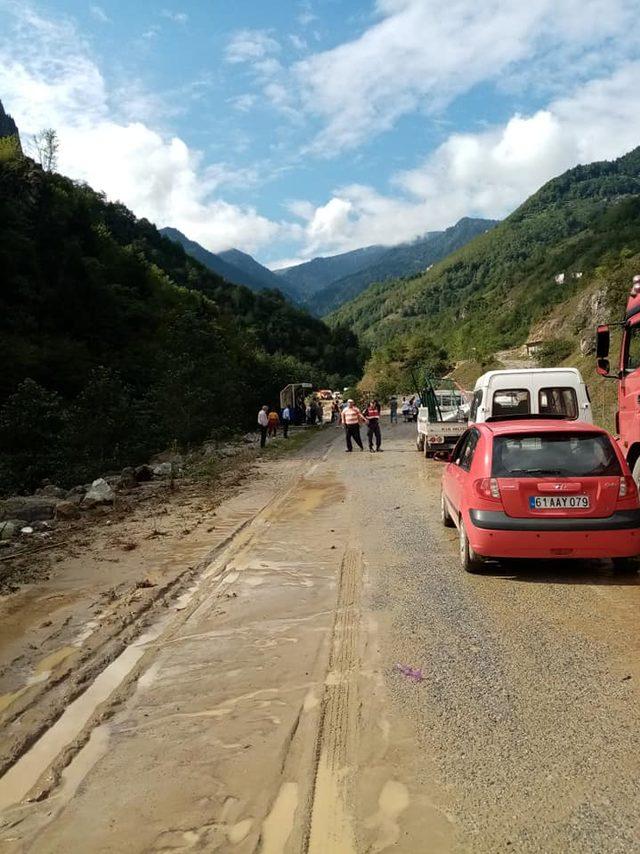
(303, 127)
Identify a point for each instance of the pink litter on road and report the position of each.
(415, 674)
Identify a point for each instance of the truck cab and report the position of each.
(627, 377)
(519, 393)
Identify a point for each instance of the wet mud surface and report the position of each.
(311, 671)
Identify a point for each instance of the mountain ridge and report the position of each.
(234, 266)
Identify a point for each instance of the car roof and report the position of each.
(518, 372)
(534, 425)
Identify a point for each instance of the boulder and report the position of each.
(163, 469)
(249, 438)
(588, 344)
(67, 509)
(143, 473)
(100, 492)
(127, 479)
(9, 529)
(30, 508)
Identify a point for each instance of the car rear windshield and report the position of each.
(554, 455)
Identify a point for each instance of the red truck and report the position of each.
(628, 377)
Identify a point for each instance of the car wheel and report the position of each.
(468, 558)
(420, 442)
(427, 453)
(446, 519)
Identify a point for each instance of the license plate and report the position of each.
(559, 502)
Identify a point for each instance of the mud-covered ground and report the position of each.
(241, 679)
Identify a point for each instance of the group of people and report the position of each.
(347, 414)
(269, 420)
(352, 417)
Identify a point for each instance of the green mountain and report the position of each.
(234, 266)
(489, 294)
(404, 260)
(312, 276)
(114, 342)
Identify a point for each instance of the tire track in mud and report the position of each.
(330, 828)
(212, 572)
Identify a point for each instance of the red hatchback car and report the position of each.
(539, 488)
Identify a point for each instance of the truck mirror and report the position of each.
(602, 343)
(602, 367)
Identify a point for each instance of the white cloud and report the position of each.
(422, 53)
(48, 79)
(243, 103)
(298, 42)
(484, 174)
(176, 17)
(250, 46)
(99, 14)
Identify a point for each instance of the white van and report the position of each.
(531, 391)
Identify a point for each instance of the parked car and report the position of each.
(531, 391)
(540, 488)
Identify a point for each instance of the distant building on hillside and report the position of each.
(559, 279)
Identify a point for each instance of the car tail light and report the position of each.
(489, 488)
(627, 488)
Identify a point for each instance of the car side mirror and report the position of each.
(603, 366)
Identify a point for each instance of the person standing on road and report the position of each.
(393, 409)
(286, 419)
(352, 418)
(372, 414)
(406, 409)
(272, 423)
(263, 424)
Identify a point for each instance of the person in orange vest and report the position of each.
(272, 423)
(372, 414)
(352, 418)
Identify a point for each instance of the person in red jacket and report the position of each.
(372, 414)
(352, 418)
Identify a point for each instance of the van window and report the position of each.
(477, 400)
(554, 455)
(558, 401)
(511, 401)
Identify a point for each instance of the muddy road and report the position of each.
(311, 671)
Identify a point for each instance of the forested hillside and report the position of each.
(115, 343)
(234, 266)
(489, 294)
(404, 260)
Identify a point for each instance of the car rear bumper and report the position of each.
(494, 534)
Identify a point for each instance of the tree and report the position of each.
(46, 147)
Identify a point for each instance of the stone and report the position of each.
(68, 509)
(588, 344)
(143, 473)
(8, 530)
(127, 479)
(163, 469)
(100, 492)
(249, 438)
(30, 508)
